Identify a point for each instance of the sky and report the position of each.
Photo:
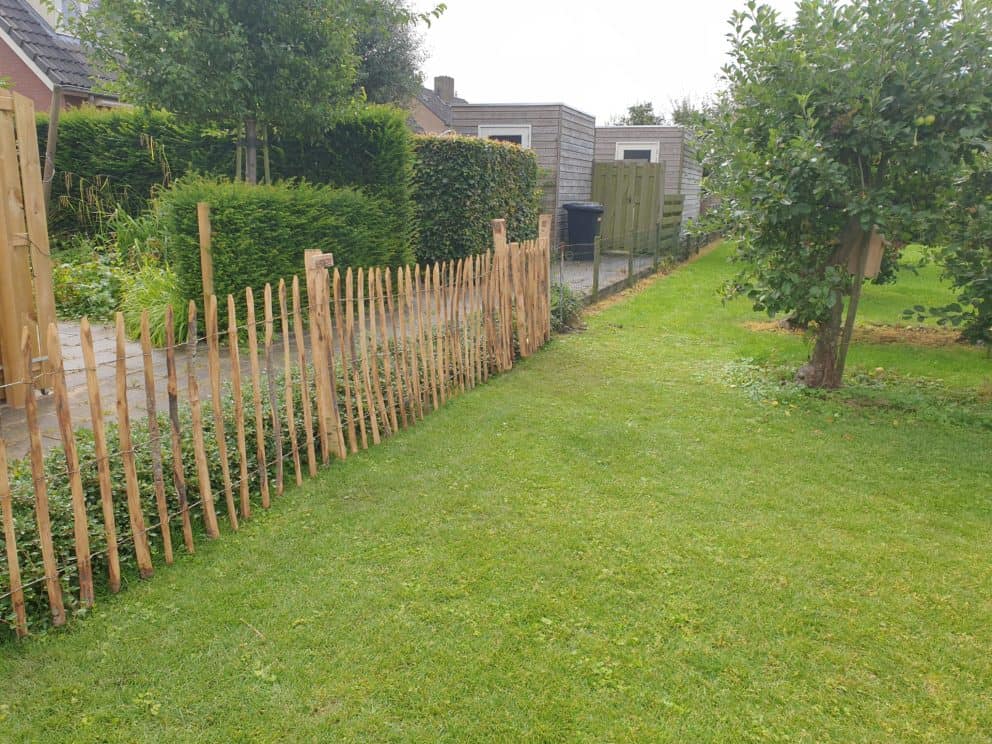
(598, 56)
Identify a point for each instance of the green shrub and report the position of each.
(461, 184)
(566, 308)
(86, 281)
(371, 150)
(153, 287)
(261, 232)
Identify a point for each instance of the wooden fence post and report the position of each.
(597, 257)
(102, 456)
(206, 251)
(135, 514)
(42, 513)
(10, 544)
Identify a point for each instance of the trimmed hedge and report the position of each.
(461, 184)
(261, 232)
(121, 157)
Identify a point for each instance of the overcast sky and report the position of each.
(599, 56)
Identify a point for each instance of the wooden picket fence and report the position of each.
(373, 351)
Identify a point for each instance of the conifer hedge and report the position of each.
(122, 157)
(259, 233)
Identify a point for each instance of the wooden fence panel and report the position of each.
(632, 193)
(26, 295)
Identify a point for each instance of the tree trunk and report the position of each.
(266, 163)
(821, 371)
(825, 368)
(251, 147)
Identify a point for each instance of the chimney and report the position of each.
(444, 86)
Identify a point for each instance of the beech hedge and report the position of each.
(461, 184)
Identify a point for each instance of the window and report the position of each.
(517, 133)
(647, 152)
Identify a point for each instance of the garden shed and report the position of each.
(671, 146)
(563, 138)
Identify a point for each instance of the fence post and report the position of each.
(656, 246)
(630, 262)
(597, 255)
(206, 253)
(544, 241)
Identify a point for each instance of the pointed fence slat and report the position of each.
(271, 386)
(175, 431)
(155, 439)
(373, 411)
(217, 406)
(196, 420)
(256, 397)
(80, 522)
(136, 517)
(353, 356)
(289, 385)
(340, 326)
(10, 544)
(41, 510)
(102, 456)
(301, 363)
(244, 494)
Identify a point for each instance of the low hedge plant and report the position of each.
(260, 233)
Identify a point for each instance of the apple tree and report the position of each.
(853, 117)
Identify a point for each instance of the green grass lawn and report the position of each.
(639, 534)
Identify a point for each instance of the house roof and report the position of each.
(434, 103)
(59, 57)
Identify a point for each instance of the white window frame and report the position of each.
(507, 130)
(654, 146)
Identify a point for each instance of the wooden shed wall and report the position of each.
(691, 183)
(578, 141)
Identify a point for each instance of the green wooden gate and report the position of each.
(633, 194)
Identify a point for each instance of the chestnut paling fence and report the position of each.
(332, 367)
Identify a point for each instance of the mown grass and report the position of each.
(639, 534)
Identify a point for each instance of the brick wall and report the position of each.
(23, 80)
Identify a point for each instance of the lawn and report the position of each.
(638, 534)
